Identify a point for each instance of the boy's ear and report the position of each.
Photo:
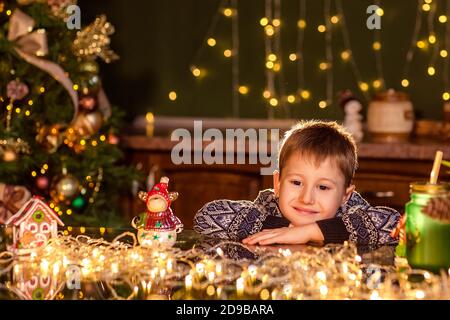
(276, 183)
(348, 193)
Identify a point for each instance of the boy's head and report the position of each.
(317, 161)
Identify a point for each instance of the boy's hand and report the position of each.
(289, 235)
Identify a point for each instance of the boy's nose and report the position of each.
(306, 196)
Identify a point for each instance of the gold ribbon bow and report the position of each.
(31, 45)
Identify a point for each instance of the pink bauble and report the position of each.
(42, 182)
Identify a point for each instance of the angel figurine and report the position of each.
(158, 225)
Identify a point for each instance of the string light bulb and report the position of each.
(377, 83)
(446, 96)
(264, 21)
(432, 38)
(380, 12)
(334, 19)
(269, 64)
(363, 86)
(301, 24)
(227, 12)
(293, 57)
(227, 53)
(426, 7)
(324, 66)
(273, 102)
(211, 42)
(321, 28)
(276, 22)
(405, 83)
(272, 57)
(172, 96)
(345, 55)
(421, 44)
(291, 98)
(266, 94)
(195, 71)
(443, 53)
(305, 94)
(442, 19)
(243, 90)
(431, 71)
(269, 30)
(322, 104)
(376, 45)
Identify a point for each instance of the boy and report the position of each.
(313, 197)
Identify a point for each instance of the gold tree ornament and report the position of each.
(50, 137)
(88, 123)
(93, 41)
(10, 148)
(64, 188)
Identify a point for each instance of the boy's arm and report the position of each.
(228, 219)
(371, 225)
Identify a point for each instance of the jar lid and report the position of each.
(392, 96)
(426, 187)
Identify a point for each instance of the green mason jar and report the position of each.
(427, 239)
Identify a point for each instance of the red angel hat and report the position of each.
(160, 189)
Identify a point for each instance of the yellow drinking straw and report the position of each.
(436, 167)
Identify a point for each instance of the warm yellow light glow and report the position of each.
(293, 57)
(75, 87)
(377, 84)
(321, 28)
(431, 71)
(323, 66)
(421, 44)
(291, 98)
(269, 64)
(196, 71)
(227, 12)
(266, 94)
(82, 142)
(276, 66)
(69, 212)
(211, 42)
(273, 102)
(102, 137)
(45, 166)
(8, 12)
(264, 294)
(334, 19)
(150, 117)
(345, 55)
(428, 1)
(272, 57)
(27, 113)
(82, 229)
(30, 102)
(264, 21)
(269, 30)
(94, 143)
(172, 95)
(426, 7)
(17, 110)
(41, 89)
(276, 22)
(322, 104)
(305, 94)
(446, 96)
(33, 173)
(363, 86)
(443, 53)
(243, 90)
(380, 12)
(432, 38)
(301, 24)
(442, 19)
(376, 46)
(227, 53)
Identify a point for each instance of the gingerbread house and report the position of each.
(33, 225)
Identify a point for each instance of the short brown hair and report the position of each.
(321, 139)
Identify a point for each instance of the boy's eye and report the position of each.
(322, 187)
(296, 182)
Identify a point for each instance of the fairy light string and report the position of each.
(207, 271)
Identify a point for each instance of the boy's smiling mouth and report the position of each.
(305, 211)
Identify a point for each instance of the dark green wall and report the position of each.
(157, 41)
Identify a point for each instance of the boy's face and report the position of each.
(308, 193)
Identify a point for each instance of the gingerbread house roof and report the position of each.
(29, 208)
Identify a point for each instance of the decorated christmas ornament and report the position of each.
(64, 188)
(88, 123)
(158, 225)
(88, 102)
(33, 225)
(352, 118)
(16, 90)
(42, 182)
(50, 137)
(93, 41)
(78, 202)
(10, 149)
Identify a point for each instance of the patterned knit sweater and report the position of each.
(355, 221)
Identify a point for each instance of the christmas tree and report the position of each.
(58, 132)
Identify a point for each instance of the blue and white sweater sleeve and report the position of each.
(355, 221)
